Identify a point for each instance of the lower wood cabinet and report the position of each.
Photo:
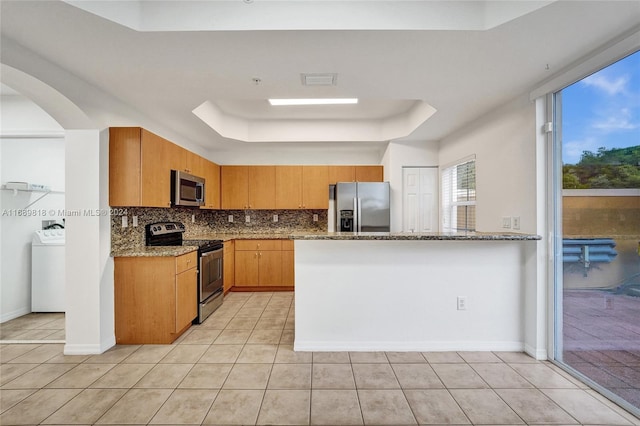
(155, 298)
(263, 263)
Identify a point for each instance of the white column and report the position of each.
(89, 279)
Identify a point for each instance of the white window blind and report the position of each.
(459, 197)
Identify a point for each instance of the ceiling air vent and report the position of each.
(319, 79)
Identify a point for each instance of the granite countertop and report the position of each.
(159, 251)
(432, 236)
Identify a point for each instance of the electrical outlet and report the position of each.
(506, 222)
(515, 222)
(230, 218)
(315, 217)
(462, 303)
(134, 220)
(193, 218)
(125, 221)
(247, 219)
(275, 217)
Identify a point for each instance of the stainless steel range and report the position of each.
(210, 263)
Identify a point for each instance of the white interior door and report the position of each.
(420, 199)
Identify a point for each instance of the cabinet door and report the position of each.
(229, 265)
(270, 268)
(369, 174)
(288, 187)
(315, 187)
(212, 185)
(186, 298)
(246, 265)
(155, 170)
(262, 187)
(124, 166)
(177, 157)
(288, 272)
(194, 164)
(234, 187)
(342, 174)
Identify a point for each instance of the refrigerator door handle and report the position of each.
(356, 218)
(359, 215)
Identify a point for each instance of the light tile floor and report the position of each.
(34, 327)
(239, 367)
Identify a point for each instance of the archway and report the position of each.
(89, 269)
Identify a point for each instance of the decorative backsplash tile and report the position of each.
(199, 222)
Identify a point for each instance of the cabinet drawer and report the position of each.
(244, 245)
(186, 261)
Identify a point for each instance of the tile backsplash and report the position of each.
(198, 222)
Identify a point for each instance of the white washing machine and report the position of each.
(47, 271)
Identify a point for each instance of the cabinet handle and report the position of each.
(260, 255)
(255, 255)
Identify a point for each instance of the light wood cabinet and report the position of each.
(369, 174)
(248, 187)
(315, 187)
(140, 165)
(342, 174)
(258, 263)
(288, 187)
(229, 265)
(139, 169)
(124, 166)
(211, 174)
(155, 298)
(302, 187)
(355, 174)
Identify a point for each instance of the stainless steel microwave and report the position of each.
(186, 189)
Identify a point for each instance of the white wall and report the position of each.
(397, 156)
(504, 143)
(29, 159)
(294, 153)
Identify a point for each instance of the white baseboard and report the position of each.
(465, 346)
(15, 314)
(539, 354)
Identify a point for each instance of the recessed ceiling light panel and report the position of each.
(311, 101)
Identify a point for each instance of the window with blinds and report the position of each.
(459, 197)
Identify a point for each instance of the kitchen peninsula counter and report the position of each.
(417, 292)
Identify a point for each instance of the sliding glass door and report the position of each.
(597, 137)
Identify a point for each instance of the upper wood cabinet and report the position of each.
(302, 187)
(211, 175)
(139, 168)
(140, 165)
(248, 187)
(315, 187)
(289, 187)
(355, 174)
(342, 174)
(369, 174)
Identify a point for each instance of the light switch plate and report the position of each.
(134, 221)
(275, 217)
(230, 218)
(506, 222)
(247, 219)
(125, 221)
(315, 217)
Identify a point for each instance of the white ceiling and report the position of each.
(463, 58)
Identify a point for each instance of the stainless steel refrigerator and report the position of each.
(362, 207)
